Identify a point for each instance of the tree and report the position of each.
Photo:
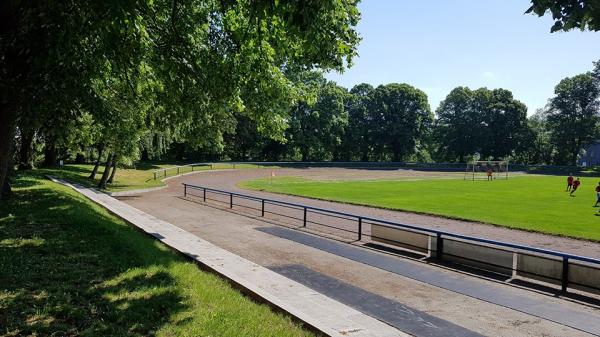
(355, 145)
(490, 123)
(402, 117)
(573, 116)
(569, 14)
(458, 125)
(318, 122)
(244, 142)
(506, 124)
(206, 60)
(539, 150)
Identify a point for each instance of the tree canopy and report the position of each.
(109, 82)
(181, 67)
(574, 116)
(569, 14)
(489, 123)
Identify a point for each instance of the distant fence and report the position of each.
(504, 258)
(350, 164)
(177, 169)
(456, 167)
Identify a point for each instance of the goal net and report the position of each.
(487, 169)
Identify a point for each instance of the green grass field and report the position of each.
(125, 179)
(536, 203)
(69, 268)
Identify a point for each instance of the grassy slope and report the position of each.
(536, 203)
(69, 268)
(127, 179)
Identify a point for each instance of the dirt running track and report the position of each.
(237, 232)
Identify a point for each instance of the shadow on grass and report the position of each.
(67, 269)
(70, 173)
(144, 166)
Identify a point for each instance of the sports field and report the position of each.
(530, 202)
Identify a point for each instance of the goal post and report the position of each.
(478, 170)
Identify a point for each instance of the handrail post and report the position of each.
(230, 200)
(359, 228)
(177, 169)
(565, 274)
(304, 224)
(439, 252)
(204, 195)
(262, 209)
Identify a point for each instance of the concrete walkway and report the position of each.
(319, 311)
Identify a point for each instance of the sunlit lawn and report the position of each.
(69, 268)
(131, 178)
(533, 202)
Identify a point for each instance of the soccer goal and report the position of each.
(487, 169)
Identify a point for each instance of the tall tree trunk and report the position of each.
(364, 155)
(80, 158)
(304, 152)
(15, 65)
(25, 150)
(50, 153)
(95, 170)
(114, 170)
(397, 155)
(8, 117)
(107, 166)
(145, 155)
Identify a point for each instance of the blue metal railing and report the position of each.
(440, 235)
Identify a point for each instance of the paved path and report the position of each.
(317, 310)
(247, 237)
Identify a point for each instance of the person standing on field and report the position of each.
(569, 182)
(490, 174)
(576, 184)
(597, 195)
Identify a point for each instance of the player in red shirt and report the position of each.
(576, 184)
(569, 182)
(597, 195)
(490, 174)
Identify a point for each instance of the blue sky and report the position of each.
(436, 45)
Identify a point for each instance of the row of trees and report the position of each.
(391, 122)
(394, 122)
(115, 82)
